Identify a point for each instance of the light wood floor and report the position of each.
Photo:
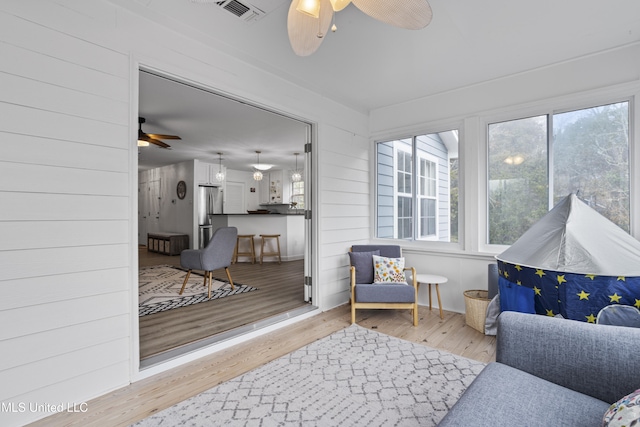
(280, 290)
(138, 400)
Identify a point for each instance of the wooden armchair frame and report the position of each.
(413, 306)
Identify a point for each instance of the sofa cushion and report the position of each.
(624, 413)
(363, 262)
(388, 269)
(504, 396)
(385, 292)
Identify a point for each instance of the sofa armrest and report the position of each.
(598, 360)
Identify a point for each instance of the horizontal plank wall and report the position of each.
(344, 217)
(64, 211)
(67, 103)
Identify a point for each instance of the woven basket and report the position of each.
(476, 303)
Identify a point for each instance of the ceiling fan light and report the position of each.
(338, 5)
(309, 7)
(142, 143)
(257, 175)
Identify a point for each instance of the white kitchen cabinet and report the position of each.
(275, 187)
(206, 173)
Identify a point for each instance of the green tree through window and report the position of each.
(590, 157)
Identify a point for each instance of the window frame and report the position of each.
(423, 244)
(550, 108)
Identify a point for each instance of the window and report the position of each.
(529, 170)
(297, 194)
(417, 194)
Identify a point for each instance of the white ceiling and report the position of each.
(367, 64)
(209, 124)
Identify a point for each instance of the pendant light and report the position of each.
(296, 175)
(220, 174)
(257, 174)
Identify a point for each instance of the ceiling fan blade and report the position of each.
(407, 14)
(160, 136)
(158, 143)
(143, 136)
(305, 32)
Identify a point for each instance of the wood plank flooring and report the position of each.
(140, 399)
(280, 289)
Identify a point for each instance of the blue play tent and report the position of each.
(572, 262)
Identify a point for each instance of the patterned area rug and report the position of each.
(159, 288)
(354, 377)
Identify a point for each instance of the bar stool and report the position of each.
(251, 250)
(275, 253)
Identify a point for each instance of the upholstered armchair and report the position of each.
(381, 283)
(217, 254)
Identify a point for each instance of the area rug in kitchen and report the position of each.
(159, 288)
(353, 377)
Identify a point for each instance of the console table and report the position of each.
(167, 243)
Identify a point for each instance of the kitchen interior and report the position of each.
(228, 163)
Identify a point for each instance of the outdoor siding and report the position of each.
(385, 195)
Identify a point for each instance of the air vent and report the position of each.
(236, 8)
(246, 12)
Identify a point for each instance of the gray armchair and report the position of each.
(367, 294)
(217, 254)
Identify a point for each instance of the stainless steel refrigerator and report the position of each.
(209, 202)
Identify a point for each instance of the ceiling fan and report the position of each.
(154, 138)
(309, 20)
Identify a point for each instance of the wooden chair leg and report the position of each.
(415, 315)
(439, 302)
(226, 269)
(353, 313)
(210, 274)
(185, 282)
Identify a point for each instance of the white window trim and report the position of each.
(622, 93)
(396, 193)
(433, 159)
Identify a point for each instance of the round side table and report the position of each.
(432, 279)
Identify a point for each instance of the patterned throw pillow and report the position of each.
(625, 412)
(388, 269)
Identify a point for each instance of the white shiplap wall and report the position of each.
(64, 211)
(68, 103)
(344, 218)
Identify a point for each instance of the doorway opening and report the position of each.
(205, 124)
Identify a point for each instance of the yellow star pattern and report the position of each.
(637, 304)
(590, 276)
(506, 274)
(519, 282)
(615, 297)
(621, 278)
(561, 279)
(583, 295)
(536, 290)
(591, 318)
(518, 268)
(550, 313)
(540, 273)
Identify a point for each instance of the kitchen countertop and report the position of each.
(269, 214)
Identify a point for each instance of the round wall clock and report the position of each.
(182, 189)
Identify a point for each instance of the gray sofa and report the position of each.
(550, 372)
